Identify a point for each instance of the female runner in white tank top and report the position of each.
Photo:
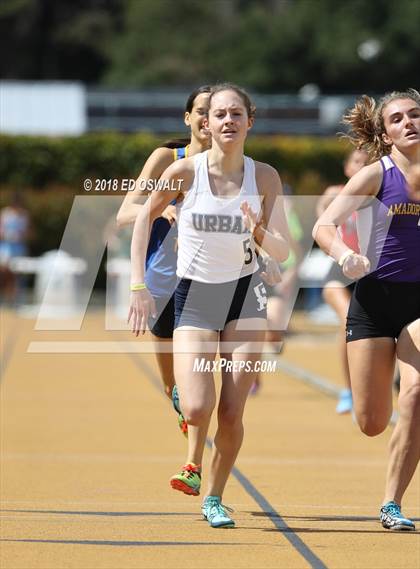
(231, 203)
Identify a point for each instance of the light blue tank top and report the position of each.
(161, 258)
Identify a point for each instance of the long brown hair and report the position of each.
(182, 142)
(366, 122)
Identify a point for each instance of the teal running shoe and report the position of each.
(182, 423)
(215, 513)
(175, 399)
(345, 402)
(392, 518)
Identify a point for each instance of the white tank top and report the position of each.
(213, 244)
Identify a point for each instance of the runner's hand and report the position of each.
(287, 284)
(271, 273)
(142, 305)
(170, 214)
(249, 217)
(356, 266)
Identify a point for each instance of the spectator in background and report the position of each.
(337, 290)
(14, 234)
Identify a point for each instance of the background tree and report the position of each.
(267, 45)
(57, 39)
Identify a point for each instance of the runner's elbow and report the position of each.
(120, 220)
(125, 217)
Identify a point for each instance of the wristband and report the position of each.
(137, 286)
(344, 256)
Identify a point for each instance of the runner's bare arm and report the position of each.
(359, 189)
(272, 235)
(179, 177)
(155, 165)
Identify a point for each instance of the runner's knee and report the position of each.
(196, 414)
(371, 425)
(230, 415)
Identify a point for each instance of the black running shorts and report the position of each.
(381, 308)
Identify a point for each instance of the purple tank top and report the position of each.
(394, 237)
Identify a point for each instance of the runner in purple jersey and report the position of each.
(383, 321)
(393, 248)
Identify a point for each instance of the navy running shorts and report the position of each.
(163, 325)
(212, 305)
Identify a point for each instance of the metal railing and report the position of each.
(162, 112)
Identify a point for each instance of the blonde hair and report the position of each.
(366, 122)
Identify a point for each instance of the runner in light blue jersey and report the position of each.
(161, 252)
